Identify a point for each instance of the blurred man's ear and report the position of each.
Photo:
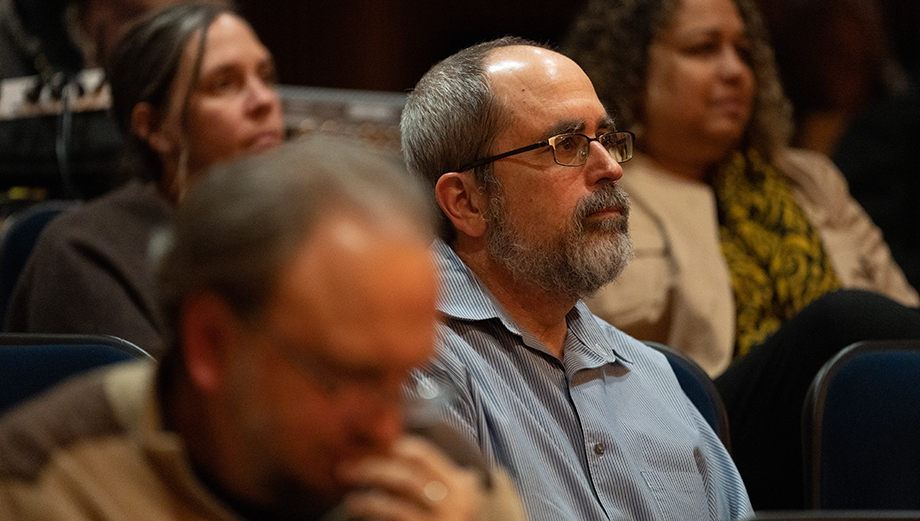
(207, 328)
(463, 202)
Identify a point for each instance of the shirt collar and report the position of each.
(465, 297)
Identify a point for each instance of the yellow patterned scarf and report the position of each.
(776, 258)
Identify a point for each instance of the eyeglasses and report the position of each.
(330, 379)
(572, 149)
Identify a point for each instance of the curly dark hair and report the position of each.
(610, 40)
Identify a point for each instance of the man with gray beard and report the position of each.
(573, 263)
(523, 162)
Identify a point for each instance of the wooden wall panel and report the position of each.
(388, 44)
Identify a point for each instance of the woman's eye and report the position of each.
(221, 84)
(703, 48)
(745, 53)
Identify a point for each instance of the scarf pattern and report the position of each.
(776, 259)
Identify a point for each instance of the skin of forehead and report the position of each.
(226, 30)
(357, 278)
(697, 18)
(531, 69)
(526, 78)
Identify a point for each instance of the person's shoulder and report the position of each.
(450, 343)
(74, 413)
(132, 201)
(815, 178)
(112, 218)
(653, 189)
(642, 170)
(800, 164)
(135, 196)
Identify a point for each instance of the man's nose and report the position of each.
(601, 165)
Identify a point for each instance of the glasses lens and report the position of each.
(619, 144)
(570, 149)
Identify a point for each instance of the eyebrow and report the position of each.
(576, 125)
(563, 127)
(708, 32)
(607, 123)
(229, 66)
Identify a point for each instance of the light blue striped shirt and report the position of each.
(605, 434)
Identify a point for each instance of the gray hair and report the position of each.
(242, 222)
(611, 40)
(452, 117)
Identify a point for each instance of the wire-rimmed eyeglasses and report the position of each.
(572, 149)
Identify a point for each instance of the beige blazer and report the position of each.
(677, 290)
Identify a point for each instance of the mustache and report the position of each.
(607, 196)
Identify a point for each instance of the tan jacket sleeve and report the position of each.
(858, 250)
(677, 289)
(502, 500)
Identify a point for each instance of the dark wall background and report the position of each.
(387, 45)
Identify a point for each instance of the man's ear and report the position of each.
(148, 125)
(463, 202)
(206, 329)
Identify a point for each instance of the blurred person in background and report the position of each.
(56, 137)
(45, 37)
(751, 257)
(298, 294)
(857, 100)
(192, 85)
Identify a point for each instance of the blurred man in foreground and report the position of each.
(300, 293)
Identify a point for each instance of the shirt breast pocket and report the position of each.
(679, 495)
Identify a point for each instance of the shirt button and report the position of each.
(599, 449)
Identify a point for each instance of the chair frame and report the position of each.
(676, 357)
(13, 261)
(816, 399)
(35, 339)
(34, 367)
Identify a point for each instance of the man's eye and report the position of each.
(566, 143)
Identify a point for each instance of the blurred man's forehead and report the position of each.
(361, 292)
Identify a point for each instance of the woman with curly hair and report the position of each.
(751, 257)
